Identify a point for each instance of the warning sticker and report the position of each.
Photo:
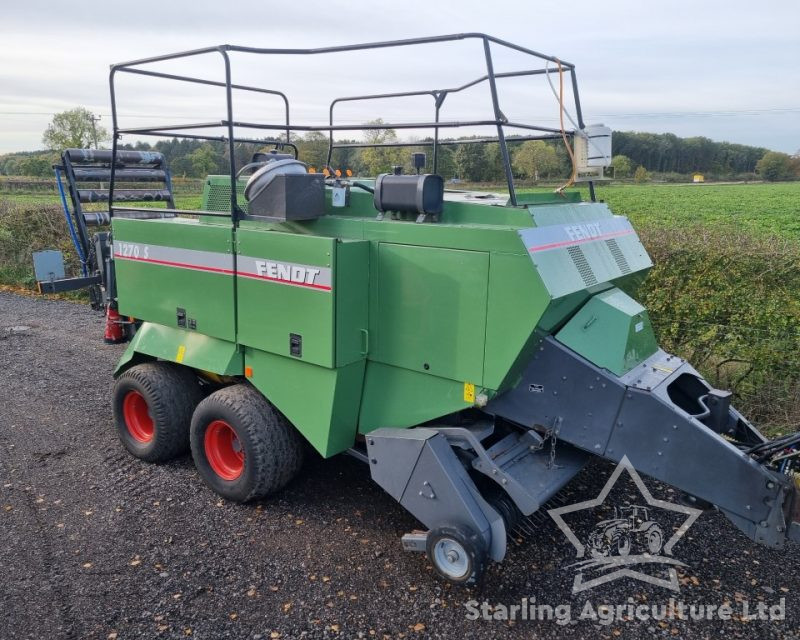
(469, 392)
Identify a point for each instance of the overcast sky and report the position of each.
(729, 70)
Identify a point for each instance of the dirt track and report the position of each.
(95, 544)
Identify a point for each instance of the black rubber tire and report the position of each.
(505, 506)
(471, 542)
(273, 449)
(171, 392)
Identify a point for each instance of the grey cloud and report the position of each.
(633, 57)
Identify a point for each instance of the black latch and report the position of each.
(719, 405)
(295, 345)
(180, 314)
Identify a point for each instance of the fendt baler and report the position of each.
(473, 350)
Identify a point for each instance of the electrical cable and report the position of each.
(578, 130)
(555, 93)
(568, 147)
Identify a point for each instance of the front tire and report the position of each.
(457, 554)
(242, 446)
(153, 404)
(623, 545)
(655, 539)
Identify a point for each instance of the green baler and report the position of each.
(473, 350)
(411, 322)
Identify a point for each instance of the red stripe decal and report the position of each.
(182, 265)
(244, 274)
(567, 243)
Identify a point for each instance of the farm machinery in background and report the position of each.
(141, 177)
(474, 351)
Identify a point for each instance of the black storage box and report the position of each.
(290, 197)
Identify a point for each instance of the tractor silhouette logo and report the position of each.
(631, 529)
(633, 536)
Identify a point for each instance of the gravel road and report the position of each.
(96, 544)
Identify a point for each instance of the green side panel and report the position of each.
(549, 197)
(270, 311)
(322, 403)
(517, 299)
(351, 294)
(395, 397)
(431, 312)
(467, 237)
(561, 310)
(611, 330)
(478, 237)
(185, 347)
(154, 291)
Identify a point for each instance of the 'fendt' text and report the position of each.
(286, 272)
(583, 231)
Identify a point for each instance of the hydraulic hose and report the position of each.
(70, 225)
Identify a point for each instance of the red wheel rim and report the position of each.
(137, 417)
(224, 450)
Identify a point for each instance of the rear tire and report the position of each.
(153, 404)
(242, 446)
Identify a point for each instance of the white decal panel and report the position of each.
(560, 236)
(289, 273)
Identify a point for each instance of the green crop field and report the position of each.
(761, 208)
(758, 207)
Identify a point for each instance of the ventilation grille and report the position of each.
(619, 257)
(219, 197)
(576, 253)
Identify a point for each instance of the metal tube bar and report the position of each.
(192, 136)
(342, 49)
(499, 117)
(384, 125)
(166, 129)
(429, 143)
(231, 149)
(579, 116)
(437, 107)
(397, 43)
(180, 127)
(215, 83)
(114, 141)
(188, 212)
(499, 122)
(166, 56)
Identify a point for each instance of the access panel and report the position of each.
(302, 297)
(431, 314)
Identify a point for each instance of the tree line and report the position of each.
(667, 153)
(636, 154)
